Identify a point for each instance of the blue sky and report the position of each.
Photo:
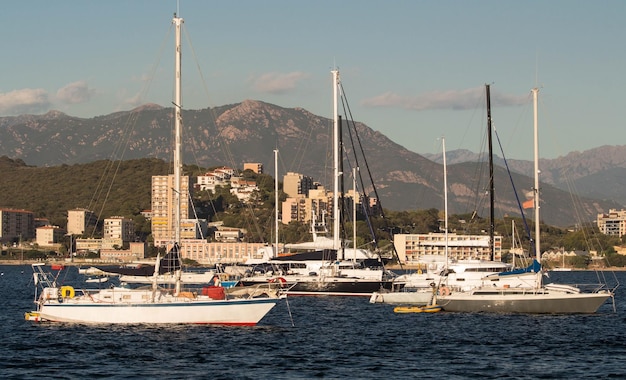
(413, 70)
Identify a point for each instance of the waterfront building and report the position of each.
(412, 248)
(50, 236)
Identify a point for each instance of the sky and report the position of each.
(413, 70)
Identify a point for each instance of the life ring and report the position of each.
(282, 281)
(444, 291)
(67, 292)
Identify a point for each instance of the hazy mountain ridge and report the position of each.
(596, 173)
(249, 131)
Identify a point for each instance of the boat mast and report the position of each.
(177, 149)
(491, 185)
(536, 188)
(445, 197)
(276, 200)
(336, 172)
(354, 203)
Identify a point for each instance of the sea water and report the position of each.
(318, 337)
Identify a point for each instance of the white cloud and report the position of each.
(452, 99)
(27, 100)
(74, 93)
(278, 83)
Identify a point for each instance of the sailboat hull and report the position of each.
(409, 297)
(519, 301)
(328, 286)
(128, 306)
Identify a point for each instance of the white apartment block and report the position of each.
(49, 236)
(79, 220)
(16, 225)
(613, 223)
(117, 231)
(163, 207)
(415, 248)
(205, 252)
(118, 227)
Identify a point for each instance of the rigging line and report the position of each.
(120, 149)
(300, 151)
(360, 184)
(350, 119)
(347, 109)
(229, 158)
(519, 204)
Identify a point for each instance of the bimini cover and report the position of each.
(535, 267)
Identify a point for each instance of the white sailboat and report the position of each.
(541, 299)
(152, 304)
(459, 275)
(323, 268)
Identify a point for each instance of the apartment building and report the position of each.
(16, 225)
(297, 185)
(414, 248)
(79, 220)
(256, 167)
(163, 207)
(50, 236)
(117, 230)
(612, 223)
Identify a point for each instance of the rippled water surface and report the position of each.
(319, 337)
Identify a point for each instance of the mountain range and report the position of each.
(575, 188)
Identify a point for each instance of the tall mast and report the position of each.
(536, 189)
(276, 200)
(336, 153)
(491, 185)
(445, 196)
(178, 99)
(354, 203)
(177, 128)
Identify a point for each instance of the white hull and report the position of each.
(542, 301)
(418, 297)
(466, 275)
(129, 306)
(170, 278)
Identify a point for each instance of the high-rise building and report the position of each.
(297, 185)
(16, 225)
(163, 207)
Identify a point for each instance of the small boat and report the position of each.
(32, 316)
(97, 280)
(417, 309)
(57, 266)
